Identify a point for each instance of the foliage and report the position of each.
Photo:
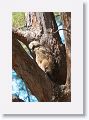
(18, 19)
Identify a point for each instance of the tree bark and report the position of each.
(66, 18)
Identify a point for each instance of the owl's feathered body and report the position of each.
(43, 57)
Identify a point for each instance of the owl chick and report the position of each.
(42, 56)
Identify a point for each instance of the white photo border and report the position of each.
(76, 104)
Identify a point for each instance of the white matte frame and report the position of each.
(76, 104)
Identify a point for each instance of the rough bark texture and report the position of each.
(40, 28)
(66, 18)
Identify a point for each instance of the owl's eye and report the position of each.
(41, 61)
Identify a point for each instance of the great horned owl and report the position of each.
(47, 63)
(42, 56)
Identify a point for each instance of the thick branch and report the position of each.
(20, 35)
(34, 77)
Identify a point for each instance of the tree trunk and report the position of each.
(66, 18)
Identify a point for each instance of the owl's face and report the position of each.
(45, 65)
